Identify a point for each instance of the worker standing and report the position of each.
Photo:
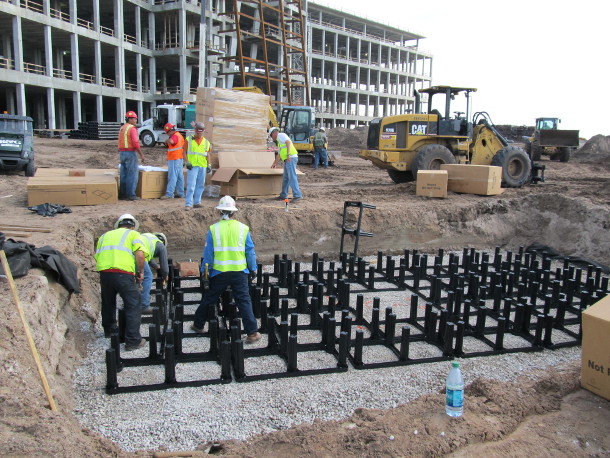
(157, 248)
(320, 143)
(229, 253)
(288, 154)
(175, 162)
(196, 159)
(129, 146)
(118, 253)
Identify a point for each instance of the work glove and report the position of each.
(189, 166)
(208, 169)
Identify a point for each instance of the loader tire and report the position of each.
(564, 154)
(536, 152)
(147, 139)
(399, 176)
(431, 157)
(516, 166)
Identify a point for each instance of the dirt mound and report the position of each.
(595, 151)
(347, 140)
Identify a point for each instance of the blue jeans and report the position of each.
(320, 153)
(290, 180)
(175, 178)
(146, 286)
(113, 283)
(129, 174)
(241, 294)
(195, 182)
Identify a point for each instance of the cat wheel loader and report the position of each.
(403, 144)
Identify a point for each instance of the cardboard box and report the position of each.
(485, 180)
(65, 190)
(595, 370)
(76, 173)
(188, 269)
(153, 184)
(248, 174)
(431, 183)
(55, 172)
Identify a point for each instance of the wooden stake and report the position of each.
(15, 227)
(43, 378)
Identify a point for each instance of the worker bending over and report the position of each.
(117, 255)
(157, 246)
(229, 251)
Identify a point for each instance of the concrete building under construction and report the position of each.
(68, 61)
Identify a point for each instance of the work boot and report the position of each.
(135, 198)
(166, 197)
(136, 346)
(296, 200)
(196, 329)
(197, 206)
(254, 337)
(188, 209)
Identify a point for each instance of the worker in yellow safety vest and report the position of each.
(129, 146)
(120, 256)
(228, 258)
(175, 162)
(196, 154)
(289, 154)
(157, 243)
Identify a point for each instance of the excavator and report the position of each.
(403, 144)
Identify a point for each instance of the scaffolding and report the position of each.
(271, 49)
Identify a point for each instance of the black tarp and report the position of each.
(21, 256)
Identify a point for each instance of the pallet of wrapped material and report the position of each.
(233, 119)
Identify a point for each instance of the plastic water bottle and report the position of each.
(454, 401)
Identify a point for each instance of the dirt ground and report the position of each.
(543, 414)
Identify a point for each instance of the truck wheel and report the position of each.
(516, 166)
(536, 152)
(30, 169)
(431, 157)
(564, 154)
(148, 139)
(399, 176)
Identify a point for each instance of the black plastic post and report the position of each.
(343, 347)
(375, 321)
(271, 337)
(480, 326)
(371, 280)
(275, 300)
(152, 341)
(284, 310)
(459, 339)
(225, 360)
(313, 312)
(331, 324)
(501, 329)
(358, 347)
(177, 337)
(170, 364)
(115, 344)
(111, 370)
(238, 359)
(448, 339)
(213, 331)
(404, 343)
(359, 307)
(292, 353)
(413, 309)
(390, 329)
(284, 338)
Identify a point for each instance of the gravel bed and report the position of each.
(182, 419)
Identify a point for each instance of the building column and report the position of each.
(185, 84)
(76, 108)
(73, 11)
(99, 107)
(17, 44)
(50, 108)
(138, 20)
(152, 63)
(139, 72)
(74, 56)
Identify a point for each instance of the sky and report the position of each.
(527, 59)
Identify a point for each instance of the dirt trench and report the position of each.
(569, 213)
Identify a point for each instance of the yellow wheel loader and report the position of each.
(403, 144)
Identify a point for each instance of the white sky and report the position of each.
(527, 59)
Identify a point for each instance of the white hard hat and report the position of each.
(273, 129)
(322, 129)
(161, 236)
(227, 204)
(125, 219)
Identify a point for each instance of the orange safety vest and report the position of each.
(125, 143)
(175, 151)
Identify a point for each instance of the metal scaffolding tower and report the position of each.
(271, 49)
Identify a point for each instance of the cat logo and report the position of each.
(418, 128)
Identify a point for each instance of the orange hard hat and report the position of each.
(131, 114)
(169, 127)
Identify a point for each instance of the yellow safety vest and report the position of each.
(151, 240)
(284, 149)
(197, 154)
(115, 250)
(229, 237)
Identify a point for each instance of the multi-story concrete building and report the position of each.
(66, 61)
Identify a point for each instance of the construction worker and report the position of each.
(119, 254)
(288, 154)
(157, 248)
(319, 143)
(228, 258)
(175, 162)
(129, 146)
(196, 159)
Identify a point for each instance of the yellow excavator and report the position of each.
(405, 143)
(298, 122)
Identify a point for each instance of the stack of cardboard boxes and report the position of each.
(236, 124)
